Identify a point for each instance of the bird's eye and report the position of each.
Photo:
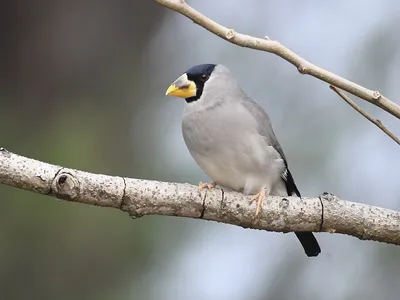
(203, 77)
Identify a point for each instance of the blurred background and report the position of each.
(82, 85)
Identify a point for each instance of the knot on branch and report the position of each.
(230, 34)
(5, 152)
(284, 203)
(65, 186)
(302, 69)
(376, 95)
(328, 197)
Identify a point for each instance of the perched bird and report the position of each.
(231, 138)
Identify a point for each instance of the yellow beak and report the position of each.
(182, 88)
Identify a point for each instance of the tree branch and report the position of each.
(325, 213)
(302, 65)
(378, 123)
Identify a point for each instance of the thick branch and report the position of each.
(302, 65)
(138, 197)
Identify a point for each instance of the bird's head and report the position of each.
(190, 85)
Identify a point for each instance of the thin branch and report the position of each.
(267, 45)
(325, 213)
(378, 123)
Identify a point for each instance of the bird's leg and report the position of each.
(209, 186)
(259, 198)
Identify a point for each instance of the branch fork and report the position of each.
(302, 65)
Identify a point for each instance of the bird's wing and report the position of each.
(307, 239)
(265, 129)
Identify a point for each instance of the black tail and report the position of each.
(307, 239)
(309, 243)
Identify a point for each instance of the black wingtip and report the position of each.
(309, 243)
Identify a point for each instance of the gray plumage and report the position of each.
(231, 138)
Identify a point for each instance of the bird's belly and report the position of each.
(238, 169)
(229, 176)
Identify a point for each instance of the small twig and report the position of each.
(378, 123)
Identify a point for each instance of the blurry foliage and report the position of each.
(61, 103)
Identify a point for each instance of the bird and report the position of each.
(231, 138)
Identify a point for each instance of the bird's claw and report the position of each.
(259, 198)
(209, 186)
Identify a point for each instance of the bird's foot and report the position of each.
(259, 199)
(209, 186)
